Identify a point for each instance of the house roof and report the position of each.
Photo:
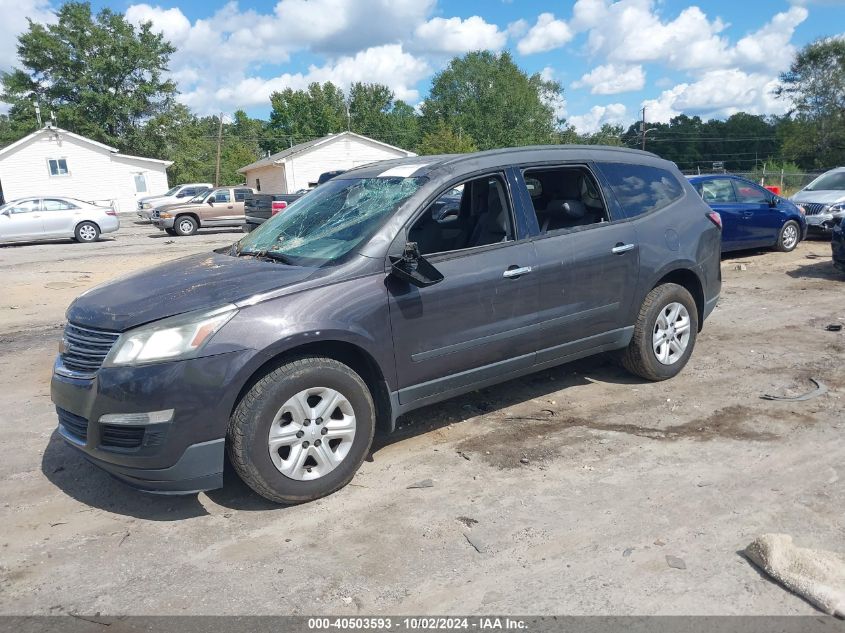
(49, 129)
(279, 157)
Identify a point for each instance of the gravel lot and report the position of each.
(620, 474)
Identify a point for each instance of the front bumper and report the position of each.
(821, 224)
(180, 456)
(163, 223)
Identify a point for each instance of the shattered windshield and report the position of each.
(330, 221)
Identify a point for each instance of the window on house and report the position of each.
(258, 184)
(58, 166)
(140, 183)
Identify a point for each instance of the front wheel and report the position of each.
(789, 236)
(664, 334)
(185, 225)
(302, 431)
(87, 232)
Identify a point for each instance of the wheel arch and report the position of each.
(94, 222)
(690, 280)
(191, 214)
(350, 354)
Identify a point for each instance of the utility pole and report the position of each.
(643, 129)
(219, 143)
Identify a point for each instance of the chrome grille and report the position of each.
(813, 208)
(84, 349)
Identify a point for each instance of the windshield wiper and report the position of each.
(265, 254)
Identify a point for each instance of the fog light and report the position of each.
(138, 419)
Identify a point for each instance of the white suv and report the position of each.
(176, 194)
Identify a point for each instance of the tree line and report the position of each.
(107, 80)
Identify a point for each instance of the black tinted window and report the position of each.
(641, 189)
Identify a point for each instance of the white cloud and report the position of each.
(547, 34)
(614, 114)
(454, 35)
(13, 22)
(770, 47)
(611, 79)
(719, 93)
(387, 64)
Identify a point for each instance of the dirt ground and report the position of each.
(559, 493)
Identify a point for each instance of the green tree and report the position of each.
(443, 140)
(102, 77)
(301, 115)
(374, 113)
(815, 87)
(488, 97)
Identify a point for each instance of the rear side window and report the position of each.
(51, 204)
(641, 189)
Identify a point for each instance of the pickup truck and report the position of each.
(219, 207)
(260, 207)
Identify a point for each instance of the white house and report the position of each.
(56, 162)
(298, 167)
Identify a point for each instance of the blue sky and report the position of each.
(708, 58)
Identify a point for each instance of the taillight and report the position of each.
(111, 211)
(276, 206)
(715, 218)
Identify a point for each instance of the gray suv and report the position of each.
(364, 300)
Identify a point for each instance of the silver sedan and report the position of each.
(37, 218)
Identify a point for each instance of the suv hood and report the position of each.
(204, 281)
(821, 196)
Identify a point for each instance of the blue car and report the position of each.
(752, 216)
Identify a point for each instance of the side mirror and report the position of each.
(210, 202)
(7, 213)
(773, 201)
(414, 268)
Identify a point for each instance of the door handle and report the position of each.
(512, 273)
(747, 214)
(622, 248)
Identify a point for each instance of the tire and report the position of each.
(789, 236)
(260, 411)
(641, 355)
(170, 231)
(86, 232)
(185, 225)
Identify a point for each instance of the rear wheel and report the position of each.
(185, 225)
(302, 431)
(664, 335)
(790, 235)
(87, 232)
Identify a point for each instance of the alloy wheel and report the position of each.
(671, 333)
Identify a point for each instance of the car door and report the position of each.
(475, 324)
(586, 266)
(221, 211)
(59, 217)
(22, 220)
(761, 221)
(719, 193)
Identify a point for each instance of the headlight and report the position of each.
(181, 336)
(837, 209)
